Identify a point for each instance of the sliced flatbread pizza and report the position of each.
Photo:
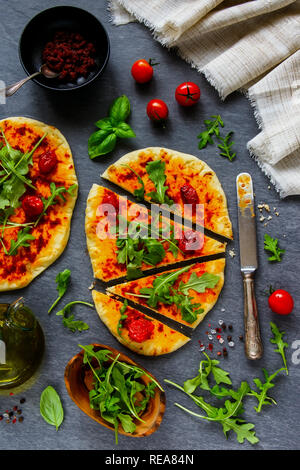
(38, 190)
(185, 295)
(116, 254)
(135, 330)
(177, 180)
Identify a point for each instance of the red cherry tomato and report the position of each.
(47, 162)
(281, 302)
(32, 205)
(157, 110)
(142, 71)
(187, 94)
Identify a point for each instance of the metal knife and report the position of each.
(248, 260)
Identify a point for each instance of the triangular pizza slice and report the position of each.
(124, 239)
(136, 331)
(181, 182)
(185, 295)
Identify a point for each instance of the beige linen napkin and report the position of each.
(236, 44)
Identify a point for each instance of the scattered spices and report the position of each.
(69, 54)
(241, 338)
(230, 327)
(13, 415)
(229, 338)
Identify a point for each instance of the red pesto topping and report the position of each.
(69, 54)
(111, 198)
(47, 161)
(139, 328)
(190, 242)
(189, 194)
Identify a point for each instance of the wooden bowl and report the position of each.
(78, 382)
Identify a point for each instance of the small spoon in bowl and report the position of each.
(44, 70)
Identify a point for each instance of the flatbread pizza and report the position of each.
(133, 329)
(38, 190)
(186, 294)
(172, 178)
(113, 257)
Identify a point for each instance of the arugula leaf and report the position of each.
(56, 191)
(51, 408)
(22, 240)
(227, 416)
(281, 345)
(123, 316)
(140, 192)
(68, 320)
(62, 280)
(212, 128)
(104, 140)
(271, 244)
(118, 394)
(156, 173)
(199, 283)
(226, 145)
(262, 397)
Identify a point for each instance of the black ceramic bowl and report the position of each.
(42, 28)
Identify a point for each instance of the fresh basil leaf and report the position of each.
(120, 109)
(51, 408)
(101, 143)
(105, 124)
(124, 131)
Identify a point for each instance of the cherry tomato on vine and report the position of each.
(281, 302)
(142, 70)
(157, 110)
(187, 94)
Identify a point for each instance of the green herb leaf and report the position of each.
(271, 244)
(124, 131)
(261, 396)
(62, 280)
(212, 128)
(226, 145)
(68, 320)
(101, 142)
(140, 192)
(22, 240)
(281, 345)
(51, 408)
(56, 192)
(120, 109)
(156, 173)
(199, 283)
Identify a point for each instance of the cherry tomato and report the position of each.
(47, 162)
(32, 205)
(281, 302)
(187, 94)
(142, 71)
(157, 110)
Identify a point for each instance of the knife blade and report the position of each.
(249, 264)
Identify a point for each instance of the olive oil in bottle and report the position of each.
(21, 344)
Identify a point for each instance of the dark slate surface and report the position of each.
(74, 114)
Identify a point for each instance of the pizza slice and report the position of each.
(135, 330)
(38, 190)
(185, 295)
(182, 183)
(124, 239)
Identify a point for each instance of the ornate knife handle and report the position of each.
(253, 344)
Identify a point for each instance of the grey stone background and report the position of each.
(74, 114)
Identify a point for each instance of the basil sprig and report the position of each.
(112, 127)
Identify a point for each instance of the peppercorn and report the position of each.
(22, 400)
(230, 327)
(241, 338)
(229, 338)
